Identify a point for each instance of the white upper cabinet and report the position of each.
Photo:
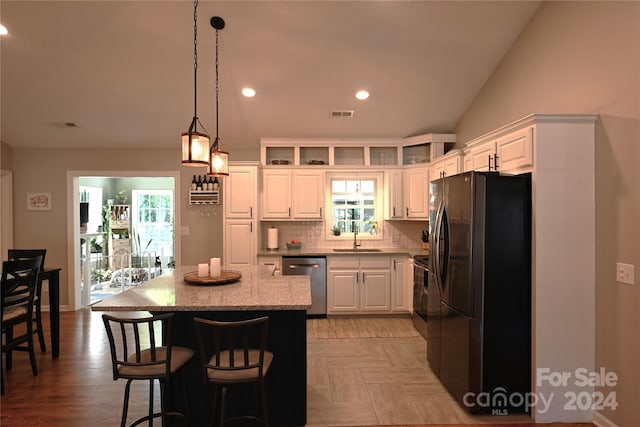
(394, 207)
(278, 152)
(292, 194)
(308, 194)
(449, 164)
(276, 194)
(508, 153)
(481, 157)
(240, 192)
(515, 150)
(416, 193)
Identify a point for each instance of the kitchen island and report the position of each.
(284, 299)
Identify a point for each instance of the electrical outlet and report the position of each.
(184, 230)
(625, 273)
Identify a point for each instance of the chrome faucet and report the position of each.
(355, 237)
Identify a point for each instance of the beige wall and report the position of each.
(6, 157)
(584, 57)
(42, 170)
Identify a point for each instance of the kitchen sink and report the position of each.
(357, 250)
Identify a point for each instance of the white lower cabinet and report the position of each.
(401, 285)
(359, 284)
(270, 264)
(240, 243)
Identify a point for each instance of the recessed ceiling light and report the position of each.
(362, 94)
(3, 30)
(248, 92)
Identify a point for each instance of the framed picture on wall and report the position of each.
(39, 201)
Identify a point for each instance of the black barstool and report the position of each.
(234, 353)
(136, 355)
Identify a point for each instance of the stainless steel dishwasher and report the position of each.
(316, 269)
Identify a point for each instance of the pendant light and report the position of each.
(195, 144)
(218, 159)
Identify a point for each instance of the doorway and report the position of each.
(127, 237)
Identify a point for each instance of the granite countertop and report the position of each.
(256, 290)
(409, 252)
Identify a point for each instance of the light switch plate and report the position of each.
(625, 273)
(184, 230)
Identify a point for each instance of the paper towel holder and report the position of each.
(272, 238)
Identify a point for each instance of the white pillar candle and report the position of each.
(203, 270)
(214, 267)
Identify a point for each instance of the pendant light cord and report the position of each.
(195, 62)
(217, 88)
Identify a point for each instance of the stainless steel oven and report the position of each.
(420, 292)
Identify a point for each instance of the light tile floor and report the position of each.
(379, 381)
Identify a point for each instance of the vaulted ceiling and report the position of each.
(122, 71)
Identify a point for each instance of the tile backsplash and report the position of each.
(314, 234)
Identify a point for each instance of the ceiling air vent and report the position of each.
(342, 113)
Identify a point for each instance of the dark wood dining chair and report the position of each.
(17, 254)
(141, 349)
(18, 285)
(234, 353)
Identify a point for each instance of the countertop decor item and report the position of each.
(294, 244)
(227, 276)
(195, 145)
(279, 162)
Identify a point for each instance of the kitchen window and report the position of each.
(355, 205)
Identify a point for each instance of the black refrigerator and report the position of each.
(479, 324)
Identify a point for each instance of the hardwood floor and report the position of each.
(352, 382)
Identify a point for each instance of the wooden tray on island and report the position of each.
(227, 276)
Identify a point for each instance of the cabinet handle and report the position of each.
(363, 277)
(289, 212)
(320, 212)
(357, 277)
(251, 212)
(495, 162)
(250, 227)
(407, 211)
(394, 211)
(489, 162)
(394, 265)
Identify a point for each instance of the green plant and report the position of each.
(372, 225)
(136, 241)
(101, 275)
(96, 247)
(336, 230)
(121, 197)
(106, 224)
